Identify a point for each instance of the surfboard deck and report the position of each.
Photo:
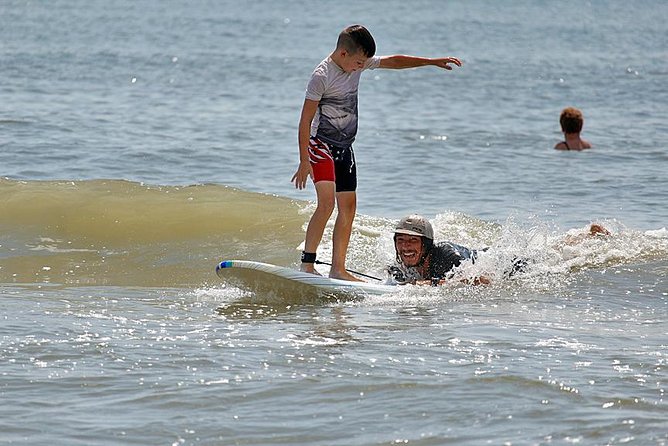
(267, 278)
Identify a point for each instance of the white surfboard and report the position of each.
(265, 277)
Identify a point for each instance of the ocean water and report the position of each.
(143, 142)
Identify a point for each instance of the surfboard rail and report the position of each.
(317, 282)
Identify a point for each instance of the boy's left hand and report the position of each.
(445, 61)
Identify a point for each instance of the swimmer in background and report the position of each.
(571, 121)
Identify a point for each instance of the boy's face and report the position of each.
(352, 62)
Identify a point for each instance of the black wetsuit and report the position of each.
(444, 257)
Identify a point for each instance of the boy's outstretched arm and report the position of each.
(399, 61)
(304, 170)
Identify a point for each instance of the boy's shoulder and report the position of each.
(323, 67)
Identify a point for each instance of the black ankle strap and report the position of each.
(308, 257)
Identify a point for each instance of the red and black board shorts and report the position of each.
(331, 163)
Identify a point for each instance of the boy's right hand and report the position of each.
(301, 176)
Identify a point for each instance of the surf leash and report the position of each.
(318, 262)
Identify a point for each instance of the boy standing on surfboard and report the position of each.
(327, 129)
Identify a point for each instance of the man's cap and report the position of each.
(415, 225)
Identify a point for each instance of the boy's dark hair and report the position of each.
(357, 38)
(571, 120)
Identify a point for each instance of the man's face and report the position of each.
(353, 62)
(409, 248)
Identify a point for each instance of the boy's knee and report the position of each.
(347, 210)
(326, 205)
(348, 206)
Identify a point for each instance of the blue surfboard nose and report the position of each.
(224, 264)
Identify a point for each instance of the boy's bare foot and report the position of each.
(344, 275)
(309, 268)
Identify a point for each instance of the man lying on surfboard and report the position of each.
(421, 261)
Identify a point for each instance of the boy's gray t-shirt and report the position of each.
(335, 121)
